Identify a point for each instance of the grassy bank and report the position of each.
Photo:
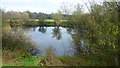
(38, 22)
(46, 22)
(29, 61)
(15, 46)
(16, 53)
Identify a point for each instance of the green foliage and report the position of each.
(13, 41)
(99, 31)
(57, 17)
(34, 15)
(49, 20)
(77, 61)
(31, 61)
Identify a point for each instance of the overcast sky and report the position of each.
(46, 6)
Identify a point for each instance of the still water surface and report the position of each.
(56, 37)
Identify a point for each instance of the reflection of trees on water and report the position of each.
(71, 31)
(34, 29)
(56, 33)
(79, 42)
(42, 29)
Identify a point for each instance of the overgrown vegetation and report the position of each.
(96, 35)
(15, 45)
(99, 30)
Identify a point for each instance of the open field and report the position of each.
(48, 20)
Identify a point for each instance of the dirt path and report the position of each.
(51, 59)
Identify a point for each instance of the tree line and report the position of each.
(98, 29)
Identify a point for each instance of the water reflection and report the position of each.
(80, 44)
(34, 29)
(64, 41)
(71, 31)
(56, 33)
(42, 29)
(56, 37)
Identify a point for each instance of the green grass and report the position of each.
(76, 61)
(65, 60)
(34, 19)
(9, 65)
(36, 22)
(49, 20)
(45, 20)
(28, 61)
(31, 61)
